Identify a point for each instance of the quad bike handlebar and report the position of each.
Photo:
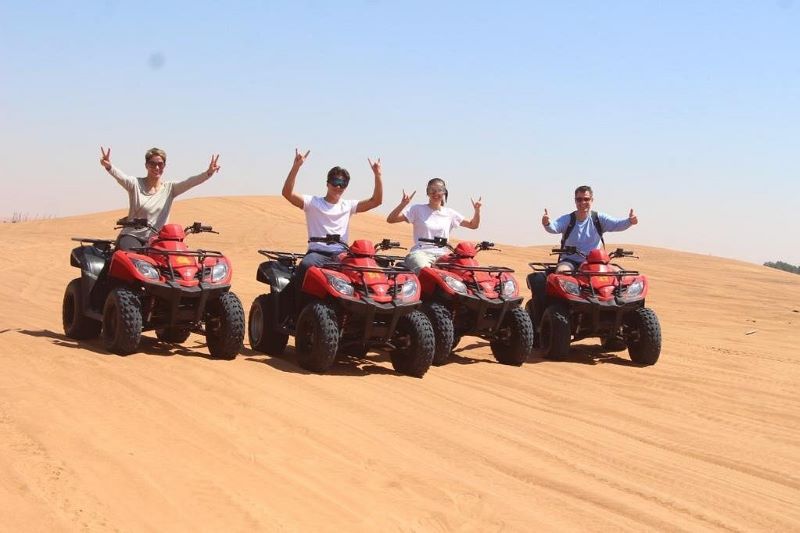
(441, 242)
(572, 250)
(198, 227)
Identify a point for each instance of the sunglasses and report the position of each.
(586, 199)
(338, 182)
(434, 190)
(155, 164)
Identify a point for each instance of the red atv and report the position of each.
(599, 299)
(348, 306)
(163, 286)
(463, 298)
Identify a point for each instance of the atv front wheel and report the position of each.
(643, 333)
(514, 340)
(442, 322)
(262, 326)
(175, 335)
(555, 334)
(76, 324)
(317, 337)
(414, 345)
(225, 326)
(122, 322)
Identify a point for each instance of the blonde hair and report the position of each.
(154, 152)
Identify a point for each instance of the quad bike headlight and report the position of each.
(635, 289)
(408, 289)
(146, 269)
(219, 272)
(509, 287)
(570, 287)
(340, 285)
(455, 284)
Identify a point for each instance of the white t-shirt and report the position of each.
(323, 218)
(430, 223)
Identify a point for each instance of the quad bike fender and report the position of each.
(431, 279)
(274, 274)
(122, 267)
(91, 261)
(316, 284)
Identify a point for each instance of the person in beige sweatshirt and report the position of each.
(150, 197)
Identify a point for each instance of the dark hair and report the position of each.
(339, 171)
(438, 180)
(584, 188)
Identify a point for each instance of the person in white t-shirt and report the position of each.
(329, 214)
(150, 197)
(431, 220)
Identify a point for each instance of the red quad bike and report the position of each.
(463, 298)
(599, 299)
(163, 286)
(356, 303)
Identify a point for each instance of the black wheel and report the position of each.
(175, 335)
(643, 333)
(514, 340)
(442, 322)
(555, 334)
(529, 308)
(225, 326)
(76, 324)
(414, 345)
(317, 337)
(122, 322)
(262, 326)
(613, 343)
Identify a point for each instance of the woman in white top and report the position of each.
(149, 197)
(431, 220)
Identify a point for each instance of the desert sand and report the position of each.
(169, 440)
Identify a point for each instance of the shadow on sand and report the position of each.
(586, 355)
(147, 346)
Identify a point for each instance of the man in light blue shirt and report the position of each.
(586, 232)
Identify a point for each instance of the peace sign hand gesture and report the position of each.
(213, 167)
(476, 204)
(406, 198)
(300, 158)
(105, 160)
(375, 166)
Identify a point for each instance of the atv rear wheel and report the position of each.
(122, 322)
(643, 333)
(415, 344)
(317, 337)
(176, 334)
(76, 324)
(262, 326)
(442, 322)
(555, 333)
(225, 326)
(514, 340)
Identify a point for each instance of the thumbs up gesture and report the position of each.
(633, 218)
(546, 218)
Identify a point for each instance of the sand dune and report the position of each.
(167, 439)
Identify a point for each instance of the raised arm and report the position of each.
(476, 218)
(105, 161)
(288, 186)
(377, 192)
(183, 186)
(397, 213)
(546, 223)
(618, 224)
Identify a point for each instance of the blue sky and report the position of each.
(687, 111)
